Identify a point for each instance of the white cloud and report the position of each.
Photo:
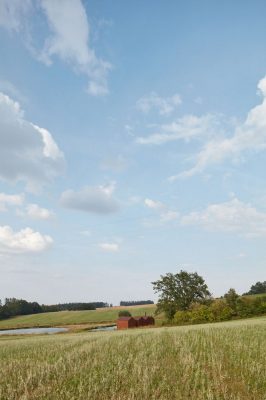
(96, 200)
(50, 149)
(164, 105)
(166, 215)
(156, 205)
(249, 136)
(109, 247)
(69, 40)
(27, 153)
(36, 212)
(7, 200)
(23, 241)
(13, 13)
(185, 128)
(69, 37)
(233, 216)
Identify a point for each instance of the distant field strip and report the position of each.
(71, 317)
(211, 362)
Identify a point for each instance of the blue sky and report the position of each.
(132, 143)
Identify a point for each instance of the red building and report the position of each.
(134, 322)
(148, 320)
(126, 323)
(139, 321)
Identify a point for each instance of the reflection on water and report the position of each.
(104, 328)
(28, 331)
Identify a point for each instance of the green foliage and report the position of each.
(258, 288)
(124, 313)
(219, 310)
(178, 291)
(231, 299)
(13, 307)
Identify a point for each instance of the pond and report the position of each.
(103, 328)
(29, 331)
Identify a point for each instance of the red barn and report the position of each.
(134, 322)
(139, 321)
(126, 323)
(148, 321)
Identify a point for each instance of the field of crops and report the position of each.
(223, 361)
(72, 317)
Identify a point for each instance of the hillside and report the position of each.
(99, 316)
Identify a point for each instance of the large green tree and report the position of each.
(178, 291)
(258, 288)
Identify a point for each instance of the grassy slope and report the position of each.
(224, 361)
(72, 317)
(106, 315)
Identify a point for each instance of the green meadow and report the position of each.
(222, 361)
(60, 318)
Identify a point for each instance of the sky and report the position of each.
(132, 144)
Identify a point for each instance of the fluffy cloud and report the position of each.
(156, 205)
(36, 212)
(185, 128)
(24, 241)
(109, 247)
(7, 200)
(28, 153)
(166, 215)
(232, 216)
(69, 37)
(249, 136)
(164, 105)
(96, 200)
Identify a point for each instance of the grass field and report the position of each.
(224, 361)
(60, 318)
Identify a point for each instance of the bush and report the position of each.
(182, 317)
(124, 313)
(221, 311)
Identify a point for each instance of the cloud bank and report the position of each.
(95, 200)
(28, 153)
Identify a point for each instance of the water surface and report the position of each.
(104, 328)
(28, 331)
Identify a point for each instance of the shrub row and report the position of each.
(220, 310)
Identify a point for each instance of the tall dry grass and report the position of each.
(217, 362)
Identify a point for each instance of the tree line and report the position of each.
(184, 298)
(136, 303)
(13, 307)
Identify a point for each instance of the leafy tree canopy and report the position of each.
(124, 313)
(231, 298)
(178, 291)
(258, 288)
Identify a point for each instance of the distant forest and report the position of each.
(13, 307)
(136, 303)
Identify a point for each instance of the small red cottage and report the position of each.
(148, 320)
(126, 322)
(139, 321)
(134, 322)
